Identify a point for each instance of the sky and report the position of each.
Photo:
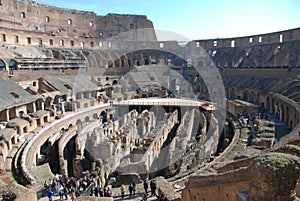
(201, 19)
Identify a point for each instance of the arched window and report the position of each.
(47, 19)
(22, 15)
(69, 22)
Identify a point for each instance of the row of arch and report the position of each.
(8, 65)
(282, 110)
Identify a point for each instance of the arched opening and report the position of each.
(48, 102)
(2, 65)
(246, 95)
(12, 65)
(268, 104)
(114, 82)
(87, 119)
(103, 116)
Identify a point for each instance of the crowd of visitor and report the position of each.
(65, 188)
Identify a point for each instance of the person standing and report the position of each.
(61, 192)
(153, 187)
(146, 185)
(122, 191)
(133, 188)
(130, 188)
(50, 195)
(73, 194)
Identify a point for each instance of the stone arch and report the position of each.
(246, 95)
(78, 122)
(79, 95)
(12, 64)
(272, 110)
(95, 116)
(39, 104)
(282, 113)
(56, 99)
(232, 93)
(87, 119)
(103, 116)
(115, 82)
(3, 65)
(48, 102)
(287, 116)
(268, 104)
(254, 97)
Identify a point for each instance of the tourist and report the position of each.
(130, 188)
(61, 192)
(133, 188)
(96, 191)
(146, 185)
(50, 194)
(153, 187)
(101, 192)
(108, 192)
(122, 191)
(73, 194)
(66, 192)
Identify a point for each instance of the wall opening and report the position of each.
(3, 37)
(250, 40)
(91, 24)
(51, 42)
(2, 65)
(28, 40)
(72, 43)
(232, 43)
(14, 94)
(215, 43)
(100, 44)
(92, 44)
(69, 22)
(40, 42)
(161, 45)
(23, 15)
(61, 43)
(82, 45)
(47, 19)
(12, 64)
(260, 39)
(197, 44)
(16, 39)
(281, 38)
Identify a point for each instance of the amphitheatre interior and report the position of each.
(84, 95)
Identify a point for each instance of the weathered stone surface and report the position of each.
(275, 177)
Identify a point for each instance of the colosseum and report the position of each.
(92, 104)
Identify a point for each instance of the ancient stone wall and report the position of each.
(30, 16)
(276, 37)
(217, 187)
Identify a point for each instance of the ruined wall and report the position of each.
(31, 16)
(217, 187)
(275, 37)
